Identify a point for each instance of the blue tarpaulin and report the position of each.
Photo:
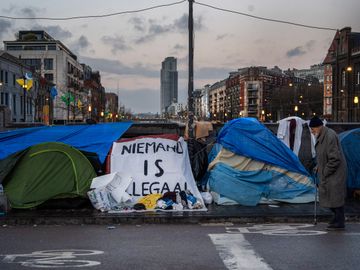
(248, 187)
(350, 143)
(248, 137)
(91, 138)
(276, 172)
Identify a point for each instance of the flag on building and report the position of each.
(53, 92)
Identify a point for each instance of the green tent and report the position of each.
(45, 171)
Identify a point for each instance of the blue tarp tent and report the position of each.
(350, 143)
(248, 137)
(263, 167)
(91, 138)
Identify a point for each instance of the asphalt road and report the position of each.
(205, 246)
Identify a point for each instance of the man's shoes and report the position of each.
(335, 227)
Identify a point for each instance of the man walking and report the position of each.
(331, 171)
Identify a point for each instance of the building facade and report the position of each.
(18, 104)
(96, 94)
(216, 100)
(175, 109)
(316, 71)
(111, 107)
(344, 58)
(265, 94)
(327, 92)
(57, 64)
(169, 83)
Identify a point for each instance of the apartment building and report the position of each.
(216, 100)
(344, 57)
(52, 60)
(16, 103)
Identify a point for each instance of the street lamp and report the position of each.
(24, 87)
(356, 102)
(296, 108)
(348, 88)
(1, 84)
(89, 110)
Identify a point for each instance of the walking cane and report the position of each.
(315, 205)
(314, 174)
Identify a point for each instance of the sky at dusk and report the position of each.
(128, 49)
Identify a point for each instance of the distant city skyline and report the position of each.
(128, 49)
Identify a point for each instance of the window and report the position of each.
(6, 77)
(14, 79)
(343, 78)
(1, 76)
(22, 105)
(35, 48)
(49, 77)
(52, 47)
(7, 99)
(14, 48)
(36, 63)
(29, 106)
(2, 98)
(358, 77)
(48, 64)
(14, 104)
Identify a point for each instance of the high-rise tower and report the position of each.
(169, 83)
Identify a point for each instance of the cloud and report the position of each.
(251, 8)
(301, 50)
(83, 42)
(310, 44)
(117, 43)
(138, 23)
(155, 29)
(181, 24)
(5, 26)
(295, 52)
(219, 37)
(180, 47)
(80, 45)
(28, 12)
(116, 67)
(56, 32)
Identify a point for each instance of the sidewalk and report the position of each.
(290, 213)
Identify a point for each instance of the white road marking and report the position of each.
(53, 258)
(217, 224)
(277, 229)
(237, 253)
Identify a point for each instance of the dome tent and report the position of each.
(350, 143)
(249, 164)
(45, 171)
